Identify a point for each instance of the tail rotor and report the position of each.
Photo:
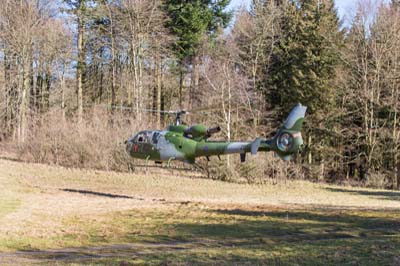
(288, 140)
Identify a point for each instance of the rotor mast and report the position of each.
(178, 116)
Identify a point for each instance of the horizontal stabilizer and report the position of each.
(255, 145)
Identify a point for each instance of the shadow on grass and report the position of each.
(12, 159)
(134, 255)
(248, 237)
(360, 219)
(101, 194)
(385, 195)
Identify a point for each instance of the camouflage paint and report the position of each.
(174, 143)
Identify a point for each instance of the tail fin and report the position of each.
(288, 139)
(255, 145)
(295, 119)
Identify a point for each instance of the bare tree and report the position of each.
(20, 25)
(256, 33)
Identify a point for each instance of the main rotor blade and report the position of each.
(216, 107)
(202, 109)
(121, 107)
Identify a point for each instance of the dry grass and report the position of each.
(96, 143)
(64, 216)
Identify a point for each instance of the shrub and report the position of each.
(95, 143)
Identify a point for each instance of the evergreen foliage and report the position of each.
(306, 56)
(190, 21)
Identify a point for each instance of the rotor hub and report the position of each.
(285, 142)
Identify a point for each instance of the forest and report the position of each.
(78, 77)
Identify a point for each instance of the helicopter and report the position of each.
(186, 143)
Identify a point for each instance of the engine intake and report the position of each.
(213, 130)
(200, 131)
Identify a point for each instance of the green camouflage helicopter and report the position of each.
(186, 143)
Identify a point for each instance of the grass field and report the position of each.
(56, 216)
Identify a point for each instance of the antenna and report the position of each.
(178, 116)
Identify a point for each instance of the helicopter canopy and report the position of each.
(147, 136)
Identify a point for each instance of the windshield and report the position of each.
(146, 137)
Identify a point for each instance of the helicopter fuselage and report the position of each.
(183, 143)
(170, 145)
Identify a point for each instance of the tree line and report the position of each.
(250, 66)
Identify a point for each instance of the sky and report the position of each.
(345, 7)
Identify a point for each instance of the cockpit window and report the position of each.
(156, 135)
(140, 137)
(146, 137)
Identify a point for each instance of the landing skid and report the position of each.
(195, 168)
(132, 167)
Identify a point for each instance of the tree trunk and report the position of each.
(159, 93)
(46, 92)
(309, 150)
(62, 83)
(158, 72)
(113, 61)
(136, 77)
(194, 84)
(162, 95)
(32, 99)
(181, 81)
(7, 95)
(398, 175)
(23, 101)
(81, 60)
(38, 92)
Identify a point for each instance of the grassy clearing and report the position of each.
(7, 205)
(9, 200)
(73, 217)
(242, 235)
(189, 235)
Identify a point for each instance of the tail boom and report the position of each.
(285, 143)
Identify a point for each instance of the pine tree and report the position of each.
(190, 21)
(307, 55)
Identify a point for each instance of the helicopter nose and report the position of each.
(128, 146)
